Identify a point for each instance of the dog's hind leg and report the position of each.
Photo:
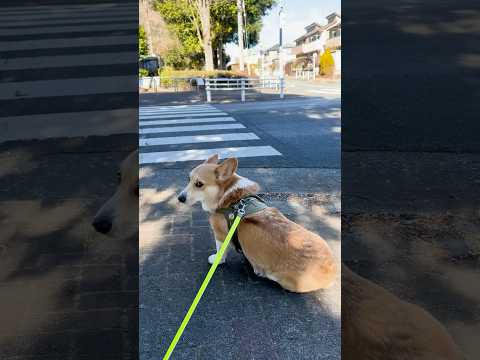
(259, 272)
(218, 244)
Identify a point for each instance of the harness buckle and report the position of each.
(240, 207)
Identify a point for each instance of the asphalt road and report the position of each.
(306, 131)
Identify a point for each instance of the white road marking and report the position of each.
(194, 115)
(195, 139)
(21, 18)
(67, 42)
(84, 123)
(62, 8)
(189, 155)
(67, 29)
(67, 21)
(186, 121)
(189, 128)
(190, 107)
(175, 111)
(326, 91)
(185, 115)
(65, 87)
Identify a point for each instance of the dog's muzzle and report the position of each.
(182, 197)
(102, 225)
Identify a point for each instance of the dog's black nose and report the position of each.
(102, 225)
(182, 198)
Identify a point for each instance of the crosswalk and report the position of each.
(181, 133)
(327, 91)
(59, 59)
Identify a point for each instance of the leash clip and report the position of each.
(240, 207)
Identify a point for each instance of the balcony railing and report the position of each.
(308, 47)
(334, 43)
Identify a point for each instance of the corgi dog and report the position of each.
(378, 325)
(277, 248)
(119, 215)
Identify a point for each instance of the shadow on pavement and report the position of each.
(410, 157)
(70, 293)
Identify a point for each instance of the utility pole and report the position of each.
(281, 15)
(240, 33)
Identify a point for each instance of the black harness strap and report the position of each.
(250, 204)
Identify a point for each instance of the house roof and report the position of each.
(312, 25)
(273, 48)
(310, 33)
(333, 14)
(320, 27)
(277, 46)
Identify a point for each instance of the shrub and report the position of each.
(167, 73)
(142, 72)
(327, 64)
(175, 59)
(142, 42)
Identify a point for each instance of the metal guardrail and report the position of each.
(213, 84)
(177, 83)
(243, 84)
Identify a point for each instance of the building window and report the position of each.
(334, 33)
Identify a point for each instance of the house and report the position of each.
(271, 59)
(311, 45)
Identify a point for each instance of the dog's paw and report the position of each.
(211, 259)
(259, 272)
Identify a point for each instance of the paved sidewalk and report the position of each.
(67, 292)
(240, 316)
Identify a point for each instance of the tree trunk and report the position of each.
(220, 54)
(215, 57)
(204, 12)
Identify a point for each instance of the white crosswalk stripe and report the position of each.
(170, 129)
(180, 115)
(171, 140)
(186, 121)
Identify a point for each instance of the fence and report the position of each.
(154, 83)
(243, 84)
(305, 74)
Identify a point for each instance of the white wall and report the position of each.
(337, 57)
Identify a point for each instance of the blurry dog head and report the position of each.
(208, 182)
(119, 215)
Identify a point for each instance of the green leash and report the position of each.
(200, 292)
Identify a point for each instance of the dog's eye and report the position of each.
(198, 184)
(119, 177)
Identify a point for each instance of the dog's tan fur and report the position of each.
(377, 325)
(277, 248)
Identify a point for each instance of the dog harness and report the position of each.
(247, 205)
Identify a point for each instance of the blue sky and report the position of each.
(299, 13)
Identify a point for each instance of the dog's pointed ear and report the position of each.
(212, 159)
(226, 169)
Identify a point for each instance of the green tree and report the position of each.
(184, 19)
(142, 42)
(327, 64)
